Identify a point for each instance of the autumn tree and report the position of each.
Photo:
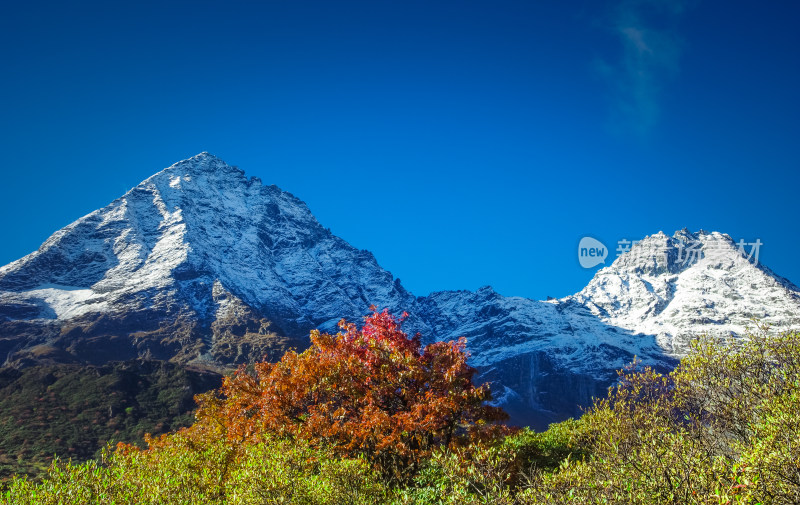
(373, 392)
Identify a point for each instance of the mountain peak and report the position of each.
(203, 156)
(203, 165)
(151, 259)
(205, 161)
(688, 284)
(660, 253)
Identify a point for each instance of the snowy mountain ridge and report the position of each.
(720, 291)
(200, 264)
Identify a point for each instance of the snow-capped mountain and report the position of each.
(189, 258)
(547, 357)
(679, 287)
(200, 264)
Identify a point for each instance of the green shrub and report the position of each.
(286, 472)
(724, 427)
(184, 472)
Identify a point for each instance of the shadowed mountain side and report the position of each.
(545, 360)
(74, 410)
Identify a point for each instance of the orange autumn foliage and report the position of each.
(371, 392)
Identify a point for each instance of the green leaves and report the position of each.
(724, 427)
(185, 472)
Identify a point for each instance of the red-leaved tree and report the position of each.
(372, 392)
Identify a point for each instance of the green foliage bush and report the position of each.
(724, 427)
(268, 472)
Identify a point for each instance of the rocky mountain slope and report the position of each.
(196, 263)
(547, 357)
(200, 264)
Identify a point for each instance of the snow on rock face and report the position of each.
(159, 250)
(548, 357)
(658, 288)
(649, 303)
(198, 253)
(498, 328)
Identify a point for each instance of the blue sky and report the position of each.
(464, 143)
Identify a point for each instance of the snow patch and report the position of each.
(67, 301)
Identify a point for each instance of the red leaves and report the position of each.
(371, 391)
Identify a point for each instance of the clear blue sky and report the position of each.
(464, 143)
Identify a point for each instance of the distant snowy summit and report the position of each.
(200, 264)
(689, 284)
